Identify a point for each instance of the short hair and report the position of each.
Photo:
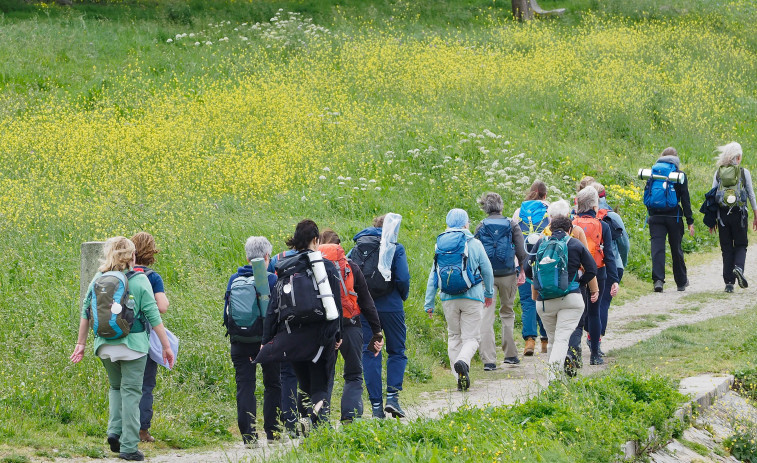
(586, 181)
(257, 247)
(117, 254)
(586, 200)
(730, 154)
(559, 208)
(561, 223)
(600, 188)
(491, 203)
(537, 191)
(329, 236)
(145, 248)
(378, 222)
(669, 151)
(303, 235)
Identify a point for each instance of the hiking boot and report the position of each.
(600, 351)
(729, 288)
(511, 361)
(544, 345)
(576, 355)
(490, 366)
(530, 346)
(393, 407)
(378, 410)
(306, 425)
(114, 440)
(463, 380)
(658, 286)
(144, 436)
(738, 272)
(133, 456)
(596, 360)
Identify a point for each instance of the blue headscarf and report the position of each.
(457, 218)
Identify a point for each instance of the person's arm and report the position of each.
(431, 290)
(750, 193)
(81, 341)
(159, 292)
(144, 299)
(715, 180)
(364, 299)
(226, 300)
(686, 204)
(401, 272)
(485, 268)
(519, 244)
(589, 267)
(336, 285)
(623, 242)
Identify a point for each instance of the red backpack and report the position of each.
(592, 227)
(335, 253)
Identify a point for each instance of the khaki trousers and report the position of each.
(463, 328)
(560, 317)
(507, 287)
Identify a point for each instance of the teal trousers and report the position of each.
(125, 378)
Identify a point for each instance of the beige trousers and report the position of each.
(507, 287)
(560, 317)
(463, 328)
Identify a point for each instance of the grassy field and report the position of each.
(206, 122)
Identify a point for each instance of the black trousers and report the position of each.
(671, 227)
(242, 355)
(733, 241)
(314, 379)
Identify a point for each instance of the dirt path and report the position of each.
(630, 323)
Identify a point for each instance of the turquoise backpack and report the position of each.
(550, 268)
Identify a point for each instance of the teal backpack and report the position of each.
(111, 310)
(244, 314)
(550, 268)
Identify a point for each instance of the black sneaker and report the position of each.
(658, 286)
(114, 440)
(490, 366)
(393, 407)
(596, 360)
(463, 380)
(738, 272)
(378, 411)
(511, 360)
(133, 456)
(570, 367)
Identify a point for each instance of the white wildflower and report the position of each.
(322, 177)
(169, 40)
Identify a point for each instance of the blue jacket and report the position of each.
(245, 271)
(622, 245)
(479, 263)
(392, 302)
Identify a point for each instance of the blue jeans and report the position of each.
(395, 334)
(604, 302)
(529, 318)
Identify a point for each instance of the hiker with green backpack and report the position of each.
(117, 303)
(733, 190)
(554, 271)
(245, 306)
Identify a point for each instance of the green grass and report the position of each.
(111, 58)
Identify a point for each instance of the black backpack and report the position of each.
(299, 301)
(365, 255)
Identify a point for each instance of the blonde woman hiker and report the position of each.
(117, 302)
(734, 192)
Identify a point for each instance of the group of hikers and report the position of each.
(293, 312)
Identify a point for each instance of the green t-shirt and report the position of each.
(144, 302)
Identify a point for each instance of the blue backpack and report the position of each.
(497, 237)
(660, 193)
(451, 263)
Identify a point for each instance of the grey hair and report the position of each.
(257, 246)
(586, 200)
(598, 186)
(491, 203)
(730, 154)
(559, 208)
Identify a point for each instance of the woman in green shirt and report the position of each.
(124, 358)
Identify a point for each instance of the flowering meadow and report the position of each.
(206, 129)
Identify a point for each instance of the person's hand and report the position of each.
(614, 289)
(338, 345)
(168, 357)
(754, 223)
(691, 230)
(488, 302)
(712, 229)
(377, 346)
(522, 277)
(430, 312)
(78, 353)
(595, 296)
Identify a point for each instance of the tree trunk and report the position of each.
(522, 10)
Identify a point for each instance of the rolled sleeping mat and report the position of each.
(674, 177)
(324, 288)
(260, 272)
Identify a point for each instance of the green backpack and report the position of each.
(731, 192)
(550, 268)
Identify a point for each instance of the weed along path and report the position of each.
(630, 323)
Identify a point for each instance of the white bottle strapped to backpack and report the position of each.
(324, 288)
